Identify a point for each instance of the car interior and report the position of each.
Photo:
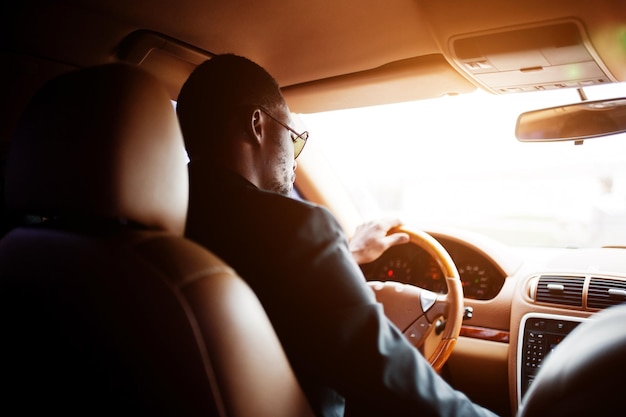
(106, 305)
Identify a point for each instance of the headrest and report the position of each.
(100, 142)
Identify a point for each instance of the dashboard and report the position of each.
(524, 302)
(481, 277)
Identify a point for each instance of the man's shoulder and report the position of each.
(207, 182)
(295, 211)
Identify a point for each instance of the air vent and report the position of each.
(605, 292)
(560, 290)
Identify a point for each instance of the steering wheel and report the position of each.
(423, 316)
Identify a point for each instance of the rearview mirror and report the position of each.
(588, 119)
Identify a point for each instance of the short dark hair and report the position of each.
(215, 91)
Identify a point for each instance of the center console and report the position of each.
(539, 335)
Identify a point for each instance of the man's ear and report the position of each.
(255, 125)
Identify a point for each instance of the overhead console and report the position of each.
(551, 56)
(505, 53)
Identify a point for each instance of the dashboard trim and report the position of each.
(483, 333)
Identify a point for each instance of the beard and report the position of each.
(282, 185)
(283, 176)
(282, 171)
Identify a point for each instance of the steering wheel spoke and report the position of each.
(418, 331)
(440, 306)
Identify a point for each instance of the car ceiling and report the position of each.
(325, 54)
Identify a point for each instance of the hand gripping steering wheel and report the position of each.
(425, 317)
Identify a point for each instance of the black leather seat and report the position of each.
(106, 309)
(586, 374)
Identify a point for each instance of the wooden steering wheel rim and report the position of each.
(453, 299)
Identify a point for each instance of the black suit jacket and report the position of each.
(295, 256)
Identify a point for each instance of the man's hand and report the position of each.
(370, 239)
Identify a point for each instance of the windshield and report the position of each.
(455, 162)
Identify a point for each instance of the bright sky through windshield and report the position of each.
(455, 161)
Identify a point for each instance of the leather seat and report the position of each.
(106, 308)
(584, 375)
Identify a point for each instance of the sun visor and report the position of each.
(407, 80)
(168, 59)
(530, 58)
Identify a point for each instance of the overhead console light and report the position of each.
(530, 58)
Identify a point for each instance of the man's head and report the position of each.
(232, 111)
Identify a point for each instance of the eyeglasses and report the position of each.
(299, 139)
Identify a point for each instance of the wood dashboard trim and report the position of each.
(484, 333)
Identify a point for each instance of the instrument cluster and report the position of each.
(411, 264)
